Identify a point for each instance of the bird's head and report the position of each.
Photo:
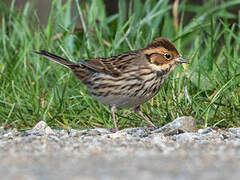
(162, 54)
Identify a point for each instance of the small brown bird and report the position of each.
(127, 80)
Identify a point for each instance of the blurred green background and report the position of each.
(34, 89)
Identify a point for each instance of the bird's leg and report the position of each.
(114, 119)
(138, 111)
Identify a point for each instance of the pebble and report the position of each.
(137, 132)
(205, 131)
(41, 128)
(183, 138)
(234, 130)
(179, 125)
(11, 133)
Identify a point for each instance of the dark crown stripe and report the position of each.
(162, 42)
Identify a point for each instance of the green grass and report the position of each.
(33, 88)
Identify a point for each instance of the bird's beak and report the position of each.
(180, 59)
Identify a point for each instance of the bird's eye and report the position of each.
(167, 56)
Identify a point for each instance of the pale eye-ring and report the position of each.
(167, 56)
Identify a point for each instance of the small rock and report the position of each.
(93, 132)
(137, 132)
(205, 131)
(159, 137)
(119, 134)
(89, 132)
(234, 130)
(103, 130)
(224, 136)
(230, 135)
(41, 128)
(48, 130)
(62, 132)
(184, 137)
(179, 125)
(76, 133)
(12, 133)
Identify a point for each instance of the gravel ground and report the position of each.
(175, 151)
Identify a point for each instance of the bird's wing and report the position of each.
(113, 65)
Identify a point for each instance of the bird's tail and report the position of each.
(65, 62)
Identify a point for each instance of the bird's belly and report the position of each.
(116, 92)
(122, 101)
